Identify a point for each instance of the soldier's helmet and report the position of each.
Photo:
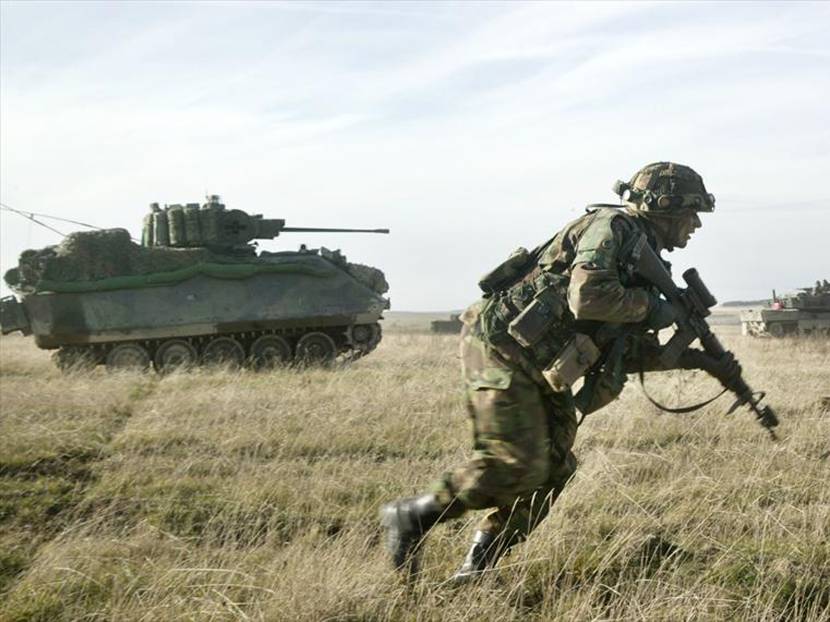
(665, 186)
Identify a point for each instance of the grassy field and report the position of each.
(244, 496)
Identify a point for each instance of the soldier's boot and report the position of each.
(485, 551)
(406, 521)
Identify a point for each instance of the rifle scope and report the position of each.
(702, 293)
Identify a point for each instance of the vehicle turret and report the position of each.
(212, 225)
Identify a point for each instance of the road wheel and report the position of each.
(70, 359)
(366, 336)
(223, 352)
(776, 330)
(174, 354)
(364, 339)
(316, 349)
(128, 356)
(270, 351)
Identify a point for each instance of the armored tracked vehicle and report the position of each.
(804, 313)
(450, 326)
(195, 291)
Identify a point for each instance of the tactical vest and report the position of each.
(526, 310)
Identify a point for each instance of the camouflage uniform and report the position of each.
(522, 439)
(523, 431)
(523, 426)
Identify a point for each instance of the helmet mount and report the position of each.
(663, 187)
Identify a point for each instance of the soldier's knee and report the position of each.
(502, 479)
(531, 474)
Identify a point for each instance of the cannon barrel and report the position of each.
(214, 226)
(330, 230)
(269, 228)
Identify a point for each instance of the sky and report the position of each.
(468, 129)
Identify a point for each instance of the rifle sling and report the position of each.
(677, 411)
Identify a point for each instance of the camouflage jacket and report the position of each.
(582, 276)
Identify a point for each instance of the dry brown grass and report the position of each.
(219, 496)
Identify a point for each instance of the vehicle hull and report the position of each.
(784, 322)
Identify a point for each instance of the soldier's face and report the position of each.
(677, 227)
(686, 223)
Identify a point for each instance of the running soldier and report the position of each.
(570, 308)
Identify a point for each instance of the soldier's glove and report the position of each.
(726, 369)
(661, 314)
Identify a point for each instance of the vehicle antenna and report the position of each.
(31, 216)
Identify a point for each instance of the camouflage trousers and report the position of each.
(522, 439)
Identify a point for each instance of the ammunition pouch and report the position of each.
(545, 310)
(525, 317)
(571, 363)
(539, 337)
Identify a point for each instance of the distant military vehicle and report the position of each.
(452, 325)
(195, 291)
(804, 313)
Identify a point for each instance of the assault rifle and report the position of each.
(692, 305)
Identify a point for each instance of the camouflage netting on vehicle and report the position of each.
(108, 259)
(369, 276)
(93, 256)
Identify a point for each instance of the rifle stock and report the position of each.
(692, 304)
